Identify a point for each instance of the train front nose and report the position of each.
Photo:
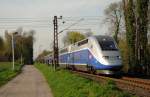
(114, 61)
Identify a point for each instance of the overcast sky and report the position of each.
(38, 15)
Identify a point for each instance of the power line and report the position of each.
(13, 23)
(71, 25)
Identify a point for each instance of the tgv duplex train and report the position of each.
(96, 54)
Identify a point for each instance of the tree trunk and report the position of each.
(130, 31)
(142, 29)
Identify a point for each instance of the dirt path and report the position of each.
(30, 83)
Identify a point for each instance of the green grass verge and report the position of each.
(6, 72)
(65, 84)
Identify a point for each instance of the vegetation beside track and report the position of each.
(65, 84)
(6, 72)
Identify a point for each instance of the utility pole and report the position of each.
(55, 45)
(21, 49)
(13, 51)
(13, 57)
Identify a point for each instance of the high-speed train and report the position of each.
(94, 54)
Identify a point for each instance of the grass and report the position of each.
(6, 72)
(65, 84)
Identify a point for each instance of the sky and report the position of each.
(38, 15)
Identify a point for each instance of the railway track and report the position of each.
(135, 86)
(138, 81)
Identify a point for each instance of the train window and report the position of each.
(83, 42)
(108, 45)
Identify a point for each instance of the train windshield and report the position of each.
(107, 44)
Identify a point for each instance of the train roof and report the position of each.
(104, 37)
(99, 37)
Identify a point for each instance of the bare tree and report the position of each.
(114, 14)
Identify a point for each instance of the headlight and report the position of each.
(119, 57)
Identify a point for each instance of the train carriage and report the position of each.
(96, 53)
